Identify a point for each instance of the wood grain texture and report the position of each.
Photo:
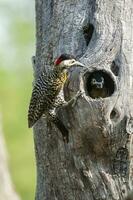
(97, 162)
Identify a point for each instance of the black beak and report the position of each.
(99, 85)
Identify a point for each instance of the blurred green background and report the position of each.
(17, 33)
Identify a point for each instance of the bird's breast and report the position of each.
(62, 78)
(60, 81)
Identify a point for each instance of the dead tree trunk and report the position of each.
(97, 161)
(7, 191)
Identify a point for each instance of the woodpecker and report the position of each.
(98, 86)
(45, 93)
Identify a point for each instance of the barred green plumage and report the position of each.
(44, 95)
(45, 92)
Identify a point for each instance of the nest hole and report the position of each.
(114, 115)
(88, 32)
(115, 68)
(98, 84)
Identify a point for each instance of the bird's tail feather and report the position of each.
(61, 127)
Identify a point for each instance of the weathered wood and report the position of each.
(7, 191)
(97, 161)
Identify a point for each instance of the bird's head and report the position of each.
(97, 81)
(65, 61)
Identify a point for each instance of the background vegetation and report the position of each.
(17, 46)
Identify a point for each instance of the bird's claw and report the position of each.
(74, 99)
(79, 93)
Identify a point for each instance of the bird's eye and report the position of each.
(73, 61)
(93, 81)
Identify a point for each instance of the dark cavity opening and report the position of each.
(114, 115)
(98, 84)
(115, 68)
(88, 32)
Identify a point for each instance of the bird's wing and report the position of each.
(36, 107)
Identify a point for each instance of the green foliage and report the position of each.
(21, 32)
(17, 42)
(15, 94)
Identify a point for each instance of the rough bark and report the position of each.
(7, 191)
(97, 161)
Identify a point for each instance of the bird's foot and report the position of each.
(74, 99)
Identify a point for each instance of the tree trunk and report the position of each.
(96, 163)
(7, 191)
